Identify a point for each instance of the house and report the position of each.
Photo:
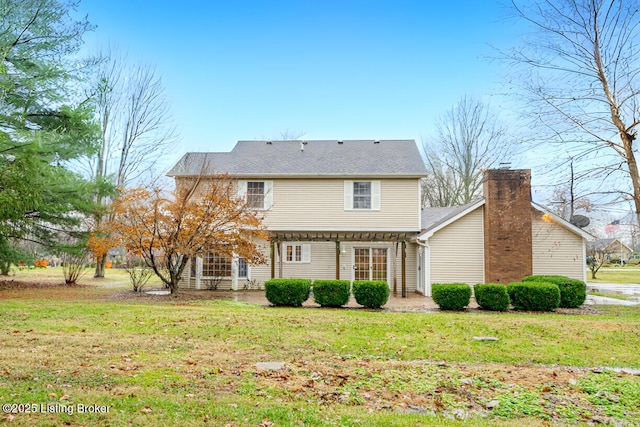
(351, 210)
(609, 249)
(334, 209)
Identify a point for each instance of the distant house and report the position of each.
(609, 249)
(351, 210)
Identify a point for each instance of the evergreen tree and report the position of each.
(43, 124)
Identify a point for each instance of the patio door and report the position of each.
(370, 264)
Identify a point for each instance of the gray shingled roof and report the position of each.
(356, 158)
(433, 217)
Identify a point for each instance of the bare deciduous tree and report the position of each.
(468, 138)
(135, 127)
(580, 68)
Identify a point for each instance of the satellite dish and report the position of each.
(579, 221)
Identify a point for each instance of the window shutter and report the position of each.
(242, 189)
(306, 253)
(375, 195)
(348, 195)
(268, 194)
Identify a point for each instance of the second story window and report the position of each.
(255, 194)
(362, 195)
(258, 194)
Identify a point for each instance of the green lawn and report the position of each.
(194, 362)
(627, 274)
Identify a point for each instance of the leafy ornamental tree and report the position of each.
(42, 126)
(167, 230)
(135, 129)
(468, 138)
(580, 69)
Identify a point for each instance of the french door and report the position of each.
(370, 264)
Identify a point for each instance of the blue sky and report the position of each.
(348, 69)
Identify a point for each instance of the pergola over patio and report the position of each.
(399, 239)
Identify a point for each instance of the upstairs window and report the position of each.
(255, 194)
(362, 195)
(258, 194)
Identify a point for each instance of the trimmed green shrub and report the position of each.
(331, 293)
(287, 292)
(534, 296)
(371, 293)
(573, 292)
(451, 296)
(492, 296)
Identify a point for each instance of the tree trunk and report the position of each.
(101, 263)
(635, 179)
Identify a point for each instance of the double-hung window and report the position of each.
(255, 194)
(258, 194)
(362, 195)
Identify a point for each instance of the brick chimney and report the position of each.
(507, 225)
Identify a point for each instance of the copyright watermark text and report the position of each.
(53, 408)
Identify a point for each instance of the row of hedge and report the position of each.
(534, 293)
(327, 293)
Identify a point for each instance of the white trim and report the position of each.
(242, 189)
(584, 257)
(419, 204)
(427, 270)
(348, 195)
(268, 195)
(484, 255)
(306, 253)
(375, 195)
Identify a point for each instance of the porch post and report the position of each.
(234, 272)
(394, 270)
(279, 249)
(404, 269)
(272, 255)
(337, 260)
(198, 272)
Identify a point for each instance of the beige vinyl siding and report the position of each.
(322, 265)
(318, 204)
(457, 251)
(556, 250)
